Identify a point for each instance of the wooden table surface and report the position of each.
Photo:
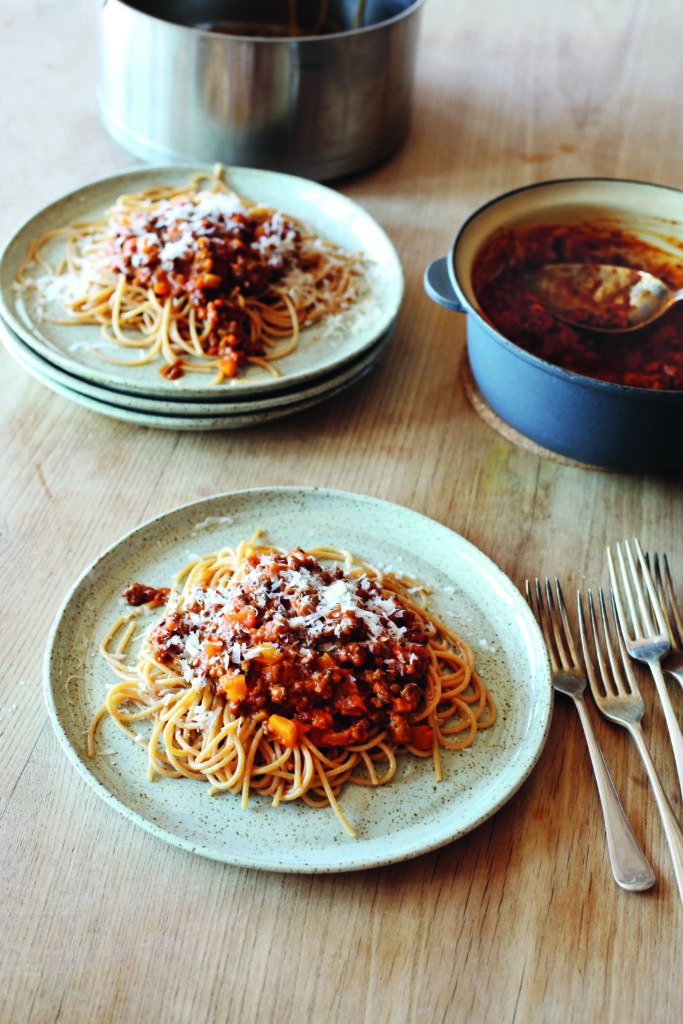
(520, 920)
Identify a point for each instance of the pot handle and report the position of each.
(438, 285)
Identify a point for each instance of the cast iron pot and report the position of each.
(601, 424)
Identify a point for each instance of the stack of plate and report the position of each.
(75, 360)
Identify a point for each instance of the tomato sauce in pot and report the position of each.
(648, 358)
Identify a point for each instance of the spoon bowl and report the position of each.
(601, 297)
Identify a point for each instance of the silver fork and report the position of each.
(644, 629)
(673, 663)
(617, 695)
(629, 865)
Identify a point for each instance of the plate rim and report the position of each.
(46, 372)
(543, 716)
(164, 389)
(198, 423)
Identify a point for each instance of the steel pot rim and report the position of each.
(301, 40)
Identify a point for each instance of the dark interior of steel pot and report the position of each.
(273, 17)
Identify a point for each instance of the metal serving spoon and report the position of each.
(600, 297)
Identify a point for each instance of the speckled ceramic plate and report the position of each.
(411, 815)
(322, 348)
(191, 415)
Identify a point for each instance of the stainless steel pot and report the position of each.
(174, 86)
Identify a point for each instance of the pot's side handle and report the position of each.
(438, 285)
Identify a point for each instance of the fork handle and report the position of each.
(630, 866)
(675, 734)
(672, 829)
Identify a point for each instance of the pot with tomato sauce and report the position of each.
(608, 400)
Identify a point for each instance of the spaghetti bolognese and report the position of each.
(290, 674)
(196, 277)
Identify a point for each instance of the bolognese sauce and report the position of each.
(290, 640)
(210, 253)
(136, 594)
(648, 358)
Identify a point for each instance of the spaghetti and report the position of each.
(290, 674)
(196, 277)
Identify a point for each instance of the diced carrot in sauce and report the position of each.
(162, 289)
(229, 366)
(244, 616)
(269, 654)
(284, 730)
(234, 686)
(209, 281)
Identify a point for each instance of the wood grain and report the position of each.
(519, 921)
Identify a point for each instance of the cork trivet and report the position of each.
(486, 413)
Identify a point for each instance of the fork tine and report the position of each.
(535, 601)
(658, 579)
(621, 665)
(552, 616)
(588, 649)
(564, 636)
(615, 578)
(634, 582)
(632, 579)
(669, 600)
(608, 681)
(654, 603)
(545, 620)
